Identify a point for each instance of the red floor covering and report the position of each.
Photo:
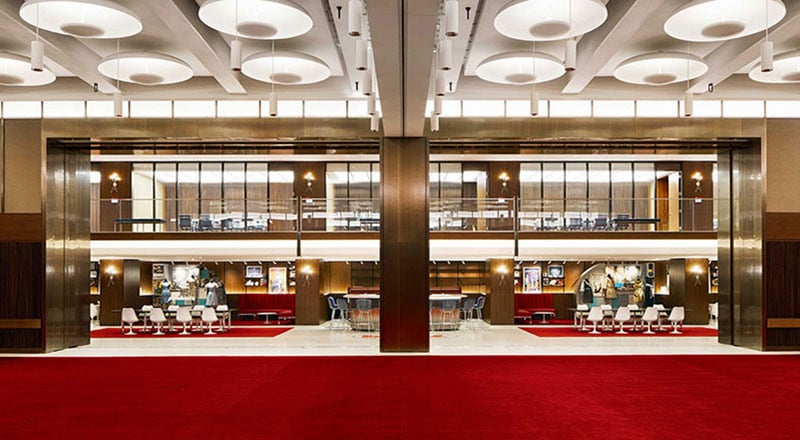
(234, 332)
(560, 332)
(393, 397)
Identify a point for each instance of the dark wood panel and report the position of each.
(21, 227)
(20, 323)
(501, 291)
(563, 302)
(782, 226)
(689, 289)
(698, 216)
(21, 272)
(783, 339)
(315, 191)
(20, 340)
(508, 191)
(111, 288)
(782, 287)
(307, 299)
(110, 211)
(404, 245)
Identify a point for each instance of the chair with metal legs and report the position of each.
(449, 314)
(333, 308)
(344, 311)
(467, 308)
(479, 303)
(364, 308)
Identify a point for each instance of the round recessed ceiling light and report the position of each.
(257, 19)
(520, 68)
(545, 20)
(291, 68)
(145, 68)
(81, 18)
(717, 20)
(16, 70)
(786, 69)
(661, 68)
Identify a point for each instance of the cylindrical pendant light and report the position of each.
(367, 83)
(117, 104)
(688, 104)
(371, 101)
(437, 105)
(767, 55)
(440, 85)
(354, 18)
(37, 56)
(361, 54)
(236, 55)
(374, 122)
(451, 18)
(273, 104)
(445, 54)
(534, 103)
(434, 122)
(571, 55)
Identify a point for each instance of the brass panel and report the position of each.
(76, 247)
(404, 246)
(725, 246)
(23, 166)
(783, 323)
(20, 323)
(55, 235)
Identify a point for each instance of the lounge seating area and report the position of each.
(275, 308)
(526, 306)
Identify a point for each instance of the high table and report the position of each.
(437, 300)
(369, 321)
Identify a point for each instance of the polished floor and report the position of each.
(483, 340)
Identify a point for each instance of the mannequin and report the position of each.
(638, 291)
(211, 294)
(165, 287)
(586, 286)
(611, 290)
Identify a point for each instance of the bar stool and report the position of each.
(344, 311)
(364, 307)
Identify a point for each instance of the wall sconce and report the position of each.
(112, 273)
(502, 270)
(504, 191)
(115, 179)
(697, 271)
(307, 272)
(309, 192)
(698, 181)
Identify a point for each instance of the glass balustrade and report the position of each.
(363, 215)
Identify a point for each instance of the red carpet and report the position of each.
(560, 332)
(235, 332)
(397, 397)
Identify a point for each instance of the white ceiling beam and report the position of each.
(387, 41)
(597, 48)
(66, 51)
(181, 17)
(733, 55)
(420, 40)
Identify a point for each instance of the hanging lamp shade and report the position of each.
(236, 55)
(290, 68)
(361, 54)
(354, 12)
(81, 18)
(451, 18)
(258, 19)
(37, 56)
(520, 68)
(15, 71)
(145, 68)
(549, 20)
(660, 68)
(718, 20)
(785, 70)
(445, 54)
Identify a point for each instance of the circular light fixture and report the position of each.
(717, 20)
(81, 18)
(661, 68)
(291, 68)
(520, 68)
(258, 19)
(546, 20)
(15, 70)
(786, 69)
(145, 68)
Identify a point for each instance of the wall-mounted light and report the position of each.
(307, 271)
(115, 179)
(502, 271)
(697, 271)
(112, 273)
(697, 177)
(504, 178)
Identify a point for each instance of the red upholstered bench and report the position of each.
(528, 304)
(282, 304)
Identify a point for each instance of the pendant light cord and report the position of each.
(37, 21)
(118, 90)
(766, 18)
(236, 18)
(272, 80)
(533, 63)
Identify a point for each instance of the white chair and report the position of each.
(623, 315)
(128, 317)
(713, 311)
(580, 316)
(157, 319)
(225, 322)
(184, 316)
(661, 310)
(173, 310)
(197, 314)
(676, 317)
(209, 317)
(596, 315)
(608, 316)
(146, 316)
(650, 316)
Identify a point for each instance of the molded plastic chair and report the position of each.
(184, 316)
(608, 317)
(197, 315)
(623, 315)
(650, 316)
(333, 308)
(479, 306)
(596, 315)
(225, 322)
(580, 317)
(128, 317)
(209, 317)
(146, 309)
(676, 317)
(364, 307)
(172, 309)
(158, 319)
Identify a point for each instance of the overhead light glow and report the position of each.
(785, 69)
(258, 19)
(291, 68)
(548, 20)
(517, 68)
(145, 68)
(15, 70)
(81, 18)
(718, 20)
(661, 68)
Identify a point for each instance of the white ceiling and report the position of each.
(172, 27)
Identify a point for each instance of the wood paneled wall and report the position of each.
(120, 289)
(21, 270)
(110, 211)
(689, 289)
(308, 310)
(698, 216)
(782, 294)
(501, 291)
